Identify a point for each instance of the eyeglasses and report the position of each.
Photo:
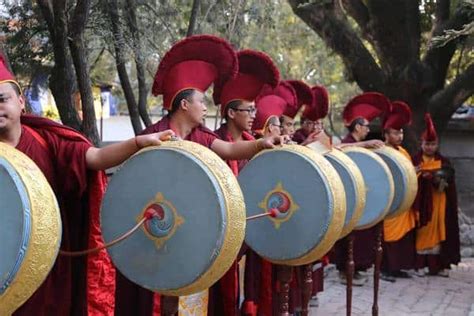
(277, 125)
(250, 111)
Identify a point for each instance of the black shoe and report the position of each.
(387, 277)
(400, 274)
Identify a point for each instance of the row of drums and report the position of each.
(199, 213)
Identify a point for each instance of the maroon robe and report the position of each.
(224, 295)
(81, 285)
(364, 241)
(300, 136)
(450, 247)
(132, 299)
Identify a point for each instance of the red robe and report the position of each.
(450, 247)
(82, 285)
(132, 299)
(300, 136)
(364, 241)
(224, 295)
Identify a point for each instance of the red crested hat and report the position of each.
(304, 97)
(429, 135)
(5, 74)
(194, 63)
(255, 70)
(273, 102)
(320, 106)
(399, 117)
(368, 105)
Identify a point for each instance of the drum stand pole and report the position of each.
(307, 287)
(169, 305)
(349, 272)
(284, 279)
(378, 262)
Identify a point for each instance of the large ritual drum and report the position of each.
(309, 200)
(199, 218)
(354, 188)
(30, 228)
(404, 178)
(378, 183)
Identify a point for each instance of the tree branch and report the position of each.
(339, 36)
(443, 104)
(438, 58)
(193, 18)
(359, 12)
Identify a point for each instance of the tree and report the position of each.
(382, 45)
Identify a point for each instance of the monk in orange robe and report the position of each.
(437, 237)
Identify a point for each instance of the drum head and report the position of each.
(309, 198)
(378, 183)
(30, 228)
(354, 188)
(404, 178)
(199, 225)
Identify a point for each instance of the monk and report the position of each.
(398, 232)
(237, 104)
(357, 114)
(83, 285)
(185, 72)
(437, 235)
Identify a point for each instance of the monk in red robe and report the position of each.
(237, 100)
(82, 285)
(357, 114)
(437, 235)
(398, 232)
(185, 72)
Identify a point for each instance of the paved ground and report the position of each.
(417, 296)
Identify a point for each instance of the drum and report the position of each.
(30, 228)
(404, 177)
(354, 188)
(378, 183)
(308, 197)
(198, 218)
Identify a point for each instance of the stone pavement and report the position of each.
(430, 295)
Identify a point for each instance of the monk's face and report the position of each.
(196, 107)
(394, 137)
(429, 148)
(287, 126)
(362, 130)
(318, 126)
(11, 106)
(307, 126)
(243, 115)
(273, 127)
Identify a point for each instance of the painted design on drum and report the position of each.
(7, 279)
(280, 200)
(45, 235)
(165, 221)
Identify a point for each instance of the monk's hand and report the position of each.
(154, 139)
(314, 136)
(270, 141)
(374, 143)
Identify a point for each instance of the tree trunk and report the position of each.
(121, 69)
(61, 82)
(79, 56)
(193, 18)
(395, 36)
(139, 62)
